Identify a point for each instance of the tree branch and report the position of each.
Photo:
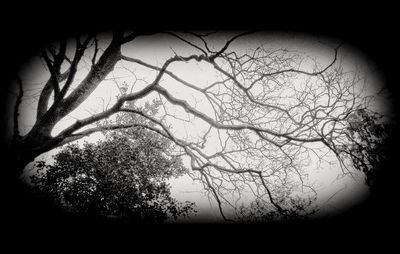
(136, 34)
(96, 49)
(45, 95)
(80, 49)
(96, 75)
(54, 74)
(215, 196)
(200, 36)
(187, 42)
(212, 58)
(59, 58)
(16, 108)
(217, 125)
(77, 136)
(280, 209)
(172, 75)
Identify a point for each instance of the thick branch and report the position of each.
(172, 75)
(87, 132)
(59, 58)
(96, 75)
(217, 125)
(80, 49)
(54, 73)
(45, 95)
(96, 49)
(115, 108)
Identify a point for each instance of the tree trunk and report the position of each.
(24, 150)
(17, 159)
(24, 208)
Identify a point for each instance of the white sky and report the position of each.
(155, 50)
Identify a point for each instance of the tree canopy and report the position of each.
(119, 177)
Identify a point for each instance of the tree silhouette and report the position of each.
(267, 111)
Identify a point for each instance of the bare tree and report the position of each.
(268, 110)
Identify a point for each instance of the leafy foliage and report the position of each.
(369, 142)
(121, 177)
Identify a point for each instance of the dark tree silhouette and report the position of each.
(121, 177)
(369, 142)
